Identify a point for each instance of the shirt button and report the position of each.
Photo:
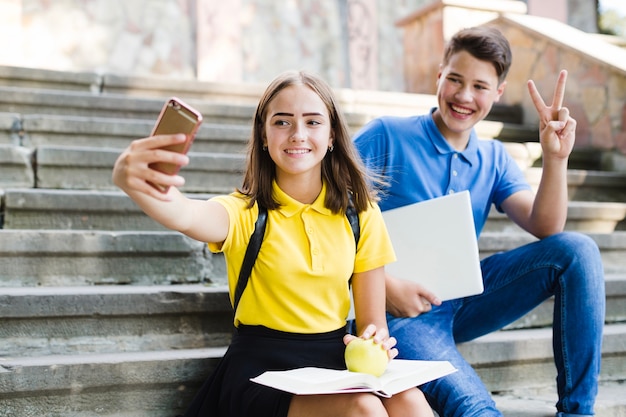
(456, 155)
(454, 173)
(451, 192)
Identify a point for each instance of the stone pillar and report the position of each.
(363, 44)
(11, 32)
(581, 14)
(553, 9)
(219, 40)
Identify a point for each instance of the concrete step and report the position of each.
(31, 94)
(88, 168)
(611, 402)
(135, 384)
(584, 185)
(16, 166)
(83, 84)
(32, 101)
(584, 216)
(160, 383)
(70, 258)
(27, 103)
(64, 320)
(541, 316)
(40, 208)
(104, 132)
(612, 247)
(43, 321)
(226, 127)
(77, 257)
(50, 79)
(511, 360)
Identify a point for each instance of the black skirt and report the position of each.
(228, 392)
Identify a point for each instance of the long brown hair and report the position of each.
(342, 169)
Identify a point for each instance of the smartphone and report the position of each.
(176, 117)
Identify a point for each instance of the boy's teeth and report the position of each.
(461, 110)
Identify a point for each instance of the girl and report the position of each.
(303, 168)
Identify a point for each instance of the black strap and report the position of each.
(353, 219)
(256, 239)
(251, 253)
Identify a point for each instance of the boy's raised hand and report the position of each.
(557, 130)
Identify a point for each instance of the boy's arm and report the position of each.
(545, 213)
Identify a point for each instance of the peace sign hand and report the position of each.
(557, 130)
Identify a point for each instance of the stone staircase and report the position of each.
(106, 313)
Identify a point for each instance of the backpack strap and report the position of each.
(254, 245)
(353, 219)
(252, 251)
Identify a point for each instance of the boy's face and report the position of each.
(466, 90)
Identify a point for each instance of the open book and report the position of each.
(400, 375)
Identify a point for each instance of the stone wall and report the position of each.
(352, 43)
(596, 88)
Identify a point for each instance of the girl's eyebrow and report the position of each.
(284, 114)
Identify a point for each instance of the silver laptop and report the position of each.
(436, 246)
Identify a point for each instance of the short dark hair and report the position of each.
(485, 43)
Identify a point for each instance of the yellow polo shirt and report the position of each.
(299, 282)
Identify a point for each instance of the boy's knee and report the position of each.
(576, 245)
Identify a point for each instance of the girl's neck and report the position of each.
(303, 189)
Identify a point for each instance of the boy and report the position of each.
(438, 153)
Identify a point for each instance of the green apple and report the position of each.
(363, 355)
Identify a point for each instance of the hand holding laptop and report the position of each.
(435, 242)
(437, 250)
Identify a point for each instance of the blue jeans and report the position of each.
(567, 266)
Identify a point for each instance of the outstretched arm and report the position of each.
(202, 220)
(545, 213)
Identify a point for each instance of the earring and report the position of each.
(331, 148)
(264, 148)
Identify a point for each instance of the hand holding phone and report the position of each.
(175, 117)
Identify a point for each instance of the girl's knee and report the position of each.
(411, 402)
(366, 405)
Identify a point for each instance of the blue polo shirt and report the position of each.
(419, 164)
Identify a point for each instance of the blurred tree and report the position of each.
(611, 21)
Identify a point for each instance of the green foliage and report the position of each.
(610, 22)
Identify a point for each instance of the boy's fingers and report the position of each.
(540, 105)
(559, 91)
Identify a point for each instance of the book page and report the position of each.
(399, 376)
(311, 380)
(402, 374)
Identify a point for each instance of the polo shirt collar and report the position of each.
(470, 153)
(290, 206)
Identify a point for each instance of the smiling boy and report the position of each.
(439, 153)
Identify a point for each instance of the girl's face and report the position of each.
(466, 90)
(297, 132)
